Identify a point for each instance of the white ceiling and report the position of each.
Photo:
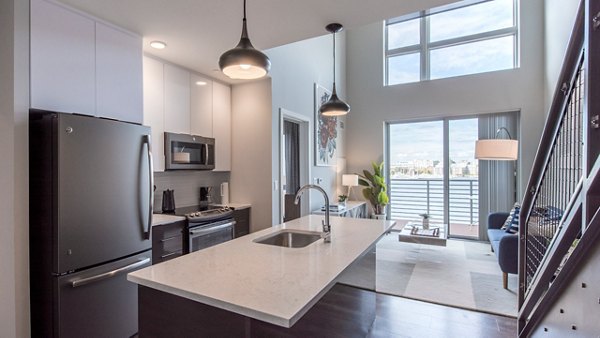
(197, 32)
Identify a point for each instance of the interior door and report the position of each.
(104, 191)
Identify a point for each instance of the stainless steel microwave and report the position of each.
(189, 152)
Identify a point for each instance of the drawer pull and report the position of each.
(169, 238)
(171, 254)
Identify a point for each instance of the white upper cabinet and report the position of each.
(62, 59)
(177, 100)
(201, 120)
(118, 74)
(222, 126)
(154, 91)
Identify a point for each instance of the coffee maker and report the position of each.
(205, 196)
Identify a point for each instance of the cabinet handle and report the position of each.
(171, 254)
(169, 238)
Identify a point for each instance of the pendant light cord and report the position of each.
(333, 61)
(244, 10)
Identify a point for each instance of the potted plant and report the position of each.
(342, 200)
(375, 190)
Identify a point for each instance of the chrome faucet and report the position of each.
(326, 235)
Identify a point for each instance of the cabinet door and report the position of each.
(154, 109)
(177, 100)
(62, 59)
(201, 106)
(118, 74)
(222, 126)
(242, 222)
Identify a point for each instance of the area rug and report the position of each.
(462, 274)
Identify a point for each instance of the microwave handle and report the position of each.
(206, 152)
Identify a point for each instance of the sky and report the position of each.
(424, 140)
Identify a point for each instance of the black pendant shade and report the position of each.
(334, 106)
(244, 61)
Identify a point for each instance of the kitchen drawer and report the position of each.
(167, 241)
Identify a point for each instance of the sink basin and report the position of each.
(290, 238)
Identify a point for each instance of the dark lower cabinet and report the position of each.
(242, 222)
(167, 241)
(344, 311)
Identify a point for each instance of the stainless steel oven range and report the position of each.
(209, 227)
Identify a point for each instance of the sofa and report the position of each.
(504, 244)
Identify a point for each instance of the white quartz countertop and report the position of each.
(269, 283)
(161, 219)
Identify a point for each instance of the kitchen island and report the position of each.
(241, 282)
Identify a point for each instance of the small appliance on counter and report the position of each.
(168, 201)
(225, 193)
(205, 196)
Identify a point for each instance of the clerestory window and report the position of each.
(468, 37)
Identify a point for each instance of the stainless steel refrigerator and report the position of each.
(90, 220)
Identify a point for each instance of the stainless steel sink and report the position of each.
(290, 238)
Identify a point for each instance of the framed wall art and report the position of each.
(326, 132)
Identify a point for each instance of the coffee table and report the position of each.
(408, 237)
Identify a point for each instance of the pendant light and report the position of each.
(335, 106)
(244, 62)
(497, 149)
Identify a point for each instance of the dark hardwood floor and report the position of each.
(401, 317)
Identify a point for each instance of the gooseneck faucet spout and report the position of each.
(326, 227)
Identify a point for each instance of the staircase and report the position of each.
(559, 244)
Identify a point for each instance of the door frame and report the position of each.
(305, 140)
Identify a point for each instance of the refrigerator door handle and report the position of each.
(109, 274)
(148, 141)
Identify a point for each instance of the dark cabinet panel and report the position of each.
(167, 241)
(242, 222)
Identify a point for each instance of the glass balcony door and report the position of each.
(432, 170)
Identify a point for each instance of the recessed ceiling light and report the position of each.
(158, 45)
(200, 83)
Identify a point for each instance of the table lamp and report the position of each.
(350, 180)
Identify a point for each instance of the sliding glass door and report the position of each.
(432, 169)
(463, 179)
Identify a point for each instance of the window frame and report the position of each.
(424, 47)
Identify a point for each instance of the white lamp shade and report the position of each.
(497, 149)
(349, 180)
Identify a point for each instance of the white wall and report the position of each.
(296, 68)
(250, 180)
(510, 90)
(559, 18)
(14, 103)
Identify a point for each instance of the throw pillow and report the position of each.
(513, 228)
(509, 219)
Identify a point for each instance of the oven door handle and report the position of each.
(210, 230)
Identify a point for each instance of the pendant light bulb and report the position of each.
(244, 62)
(334, 106)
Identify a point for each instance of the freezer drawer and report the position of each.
(100, 302)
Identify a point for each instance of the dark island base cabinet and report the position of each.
(167, 241)
(242, 222)
(342, 312)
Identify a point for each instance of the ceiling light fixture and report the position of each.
(158, 45)
(244, 61)
(335, 106)
(497, 149)
(200, 83)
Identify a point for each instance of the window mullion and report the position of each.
(424, 47)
